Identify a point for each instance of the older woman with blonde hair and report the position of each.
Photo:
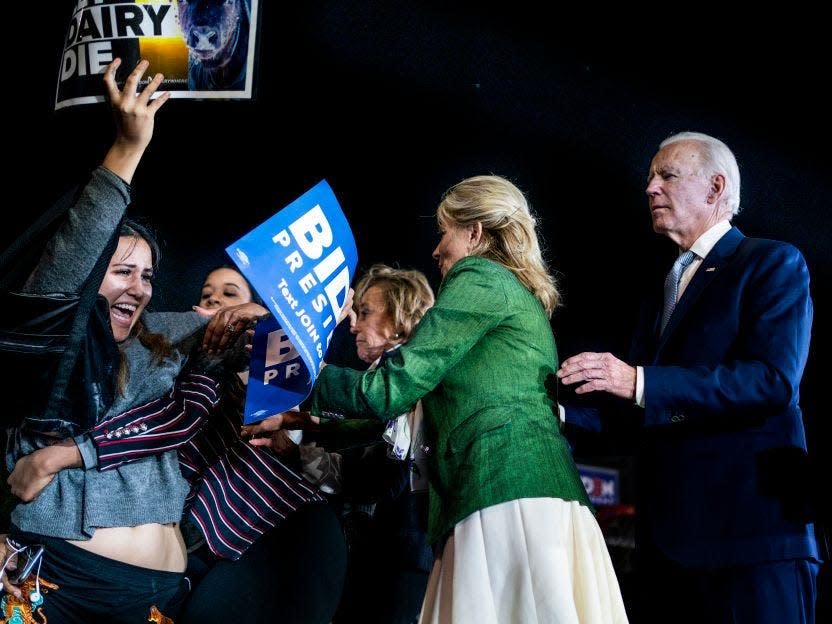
(517, 541)
(382, 485)
(401, 296)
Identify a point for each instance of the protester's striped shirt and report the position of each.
(238, 491)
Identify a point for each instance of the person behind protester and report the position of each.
(225, 286)
(293, 560)
(381, 476)
(112, 539)
(509, 516)
(723, 532)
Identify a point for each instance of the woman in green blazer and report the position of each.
(516, 539)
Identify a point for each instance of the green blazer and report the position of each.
(480, 360)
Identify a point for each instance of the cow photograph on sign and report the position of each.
(204, 48)
(217, 35)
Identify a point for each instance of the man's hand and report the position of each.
(599, 372)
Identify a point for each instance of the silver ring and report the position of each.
(229, 328)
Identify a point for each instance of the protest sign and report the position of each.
(204, 48)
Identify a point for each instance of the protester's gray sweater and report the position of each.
(78, 501)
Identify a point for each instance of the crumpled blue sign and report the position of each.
(301, 262)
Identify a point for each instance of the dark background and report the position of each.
(393, 102)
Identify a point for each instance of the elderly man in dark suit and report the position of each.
(723, 536)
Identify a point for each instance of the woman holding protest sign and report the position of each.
(116, 532)
(107, 543)
(516, 538)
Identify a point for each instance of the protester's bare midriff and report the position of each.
(152, 546)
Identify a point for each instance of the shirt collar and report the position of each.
(703, 245)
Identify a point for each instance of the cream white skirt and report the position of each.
(530, 560)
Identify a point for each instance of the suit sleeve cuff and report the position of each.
(640, 386)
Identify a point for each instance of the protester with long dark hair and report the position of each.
(112, 541)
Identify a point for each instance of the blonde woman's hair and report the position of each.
(508, 230)
(406, 294)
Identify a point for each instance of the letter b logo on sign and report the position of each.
(279, 349)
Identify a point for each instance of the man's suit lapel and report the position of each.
(713, 263)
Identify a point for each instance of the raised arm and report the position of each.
(71, 254)
(134, 116)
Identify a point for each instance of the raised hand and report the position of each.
(134, 114)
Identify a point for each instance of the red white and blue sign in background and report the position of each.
(601, 484)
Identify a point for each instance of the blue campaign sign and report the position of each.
(278, 379)
(301, 262)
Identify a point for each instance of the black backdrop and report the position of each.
(393, 102)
